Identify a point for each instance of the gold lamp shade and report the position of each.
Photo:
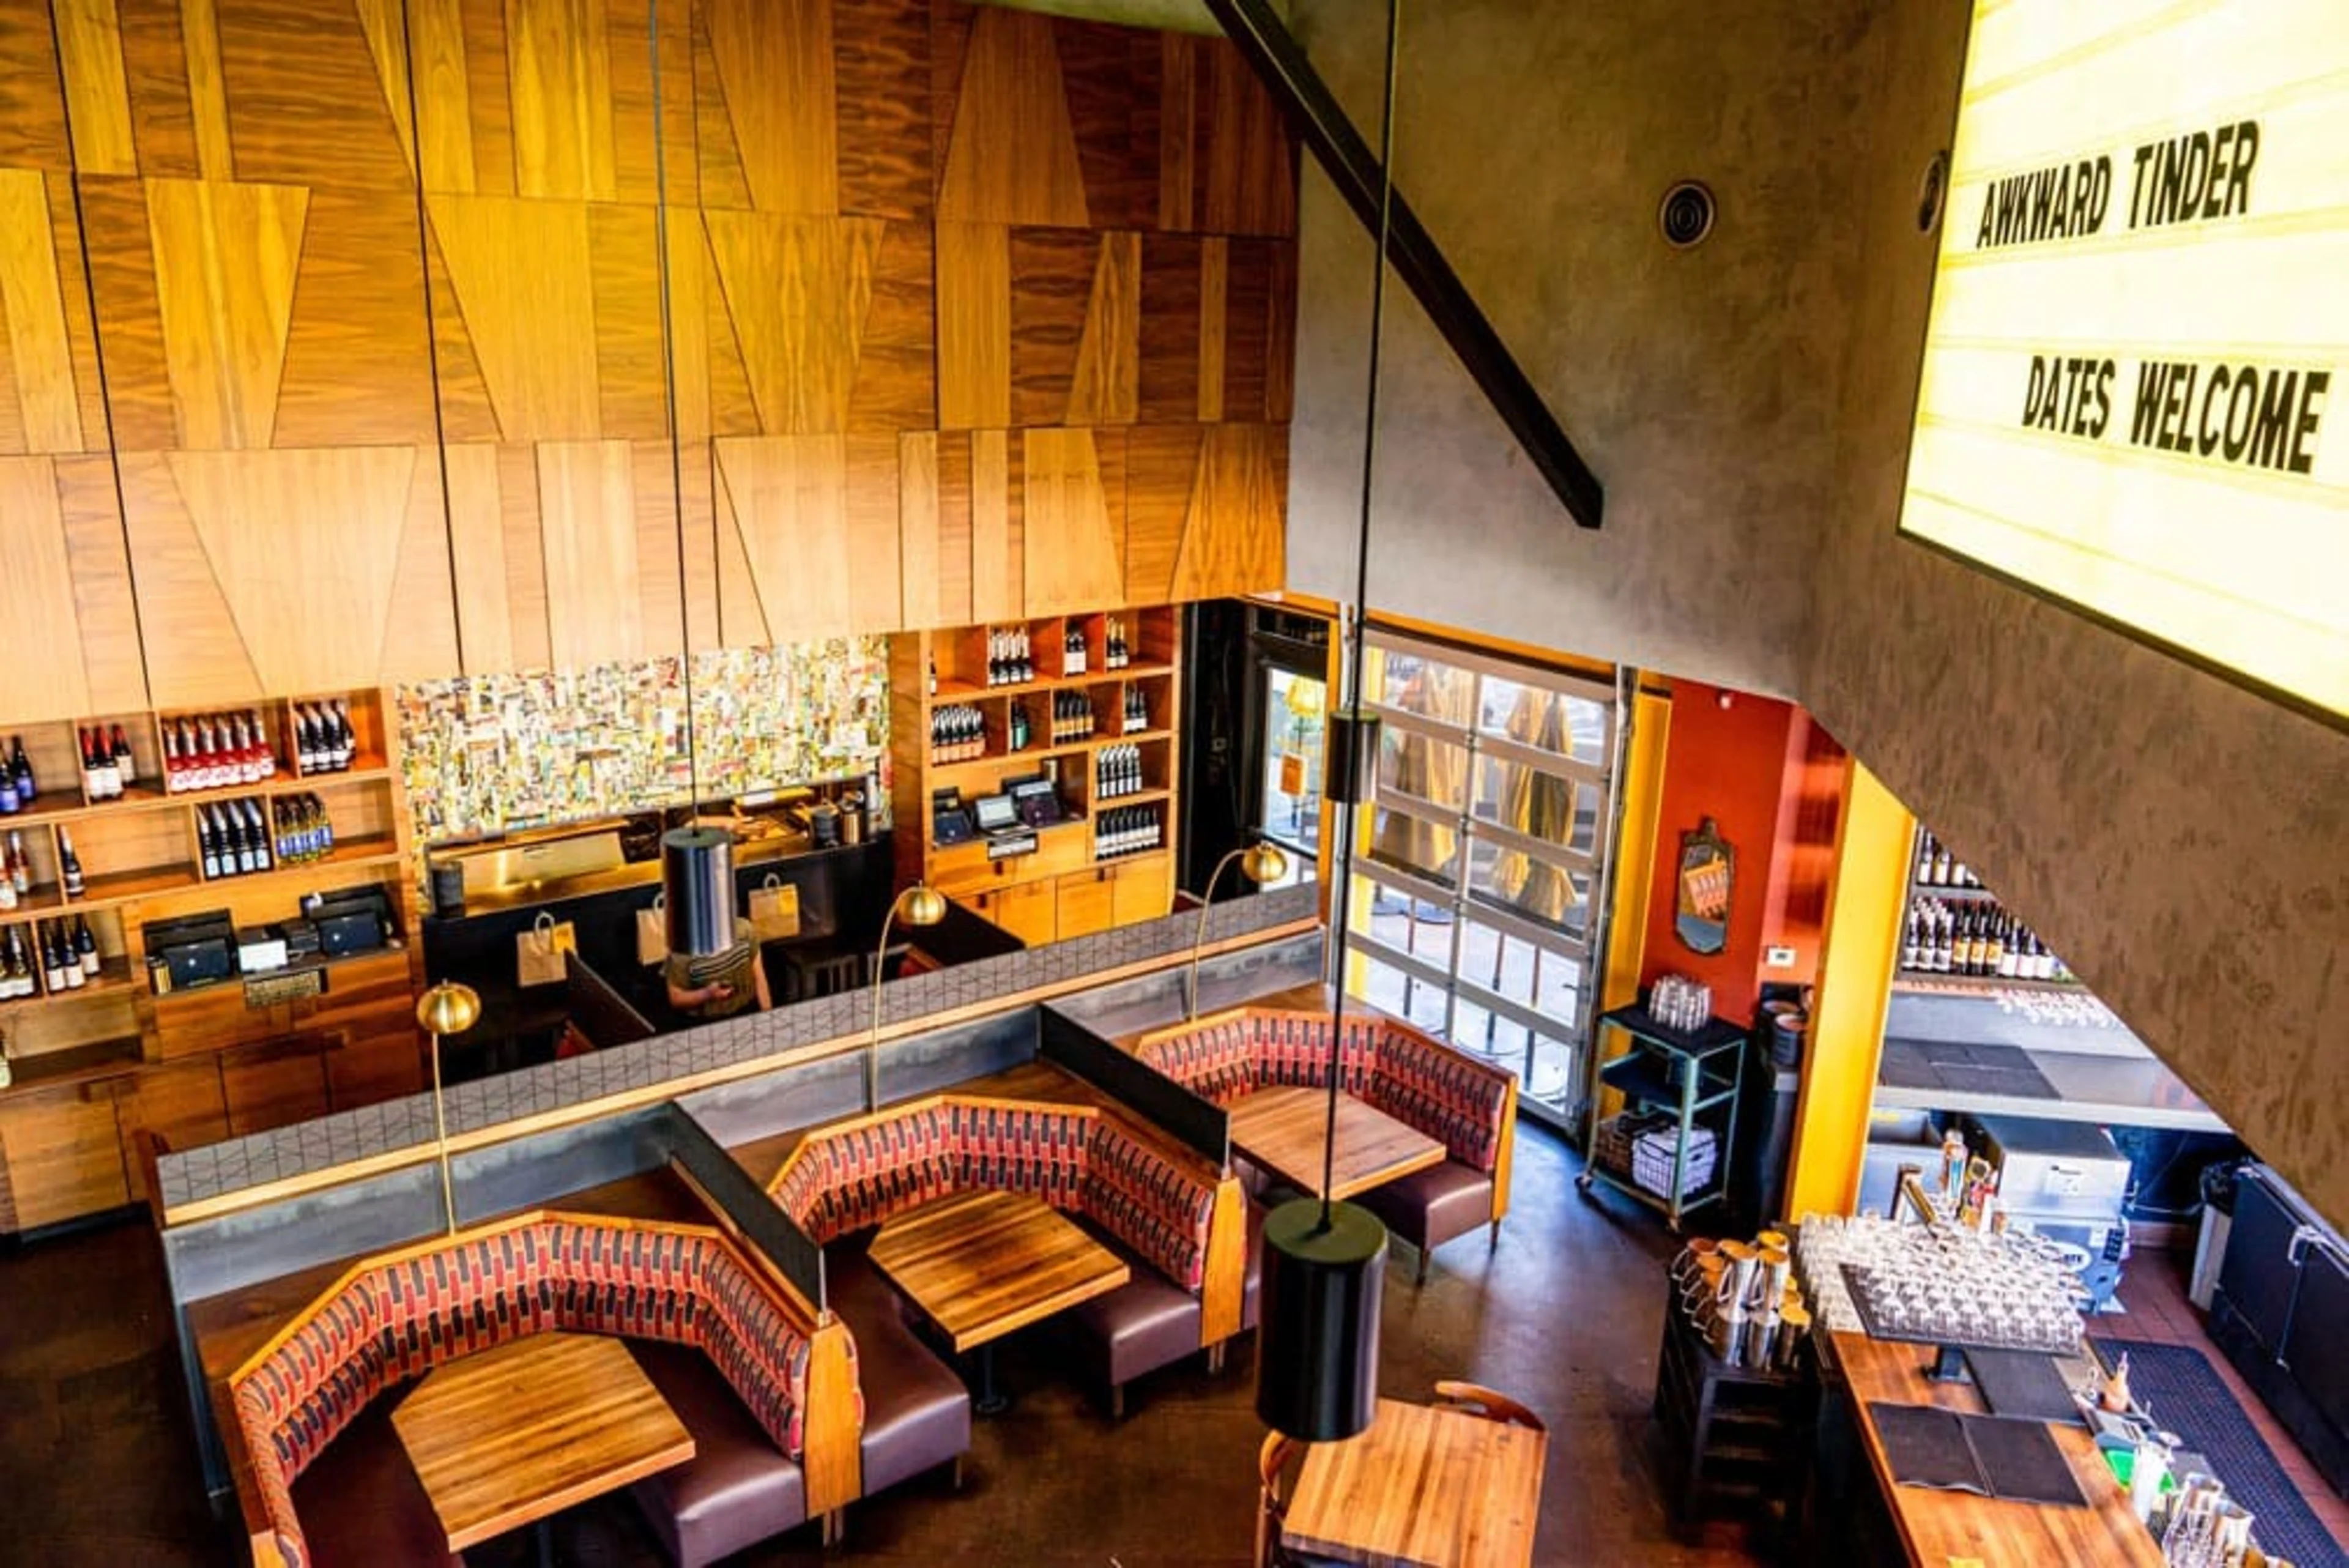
(1264, 863)
(447, 1008)
(922, 905)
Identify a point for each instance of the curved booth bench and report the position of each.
(768, 1392)
(1470, 1107)
(1177, 1220)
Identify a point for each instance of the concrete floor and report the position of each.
(97, 1465)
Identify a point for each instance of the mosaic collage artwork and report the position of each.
(485, 754)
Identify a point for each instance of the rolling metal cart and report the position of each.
(1693, 1077)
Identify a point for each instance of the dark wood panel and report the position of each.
(1051, 281)
(1111, 75)
(1169, 375)
(883, 52)
(310, 101)
(896, 377)
(1248, 330)
(33, 105)
(130, 322)
(155, 71)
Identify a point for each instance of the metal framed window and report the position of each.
(1481, 869)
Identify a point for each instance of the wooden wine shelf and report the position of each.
(1978, 985)
(46, 901)
(140, 797)
(114, 979)
(952, 691)
(1063, 749)
(1139, 798)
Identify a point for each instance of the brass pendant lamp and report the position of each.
(1325, 1261)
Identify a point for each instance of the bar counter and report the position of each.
(1945, 1528)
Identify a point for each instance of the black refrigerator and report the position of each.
(2278, 1313)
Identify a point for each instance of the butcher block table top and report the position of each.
(982, 1265)
(508, 1437)
(1944, 1528)
(1425, 1486)
(1280, 1129)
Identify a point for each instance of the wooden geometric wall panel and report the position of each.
(52, 572)
(1011, 157)
(1075, 327)
(897, 355)
(798, 292)
(97, 95)
(305, 92)
(773, 62)
(1247, 182)
(973, 313)
(104, 607)
(442, 74)
(559, 61)
(224, 258)
(1173, 331)
(588, 541)
(814, 518)
(1073, 538)
(631, 375)
(488, 607)
(1232, 541)
(934, 528)
(33, 133)
(45, 337)
(357, 368)
(524, 286)
(305, 546)
(883, 106)
(988, 492)
(1112, 75)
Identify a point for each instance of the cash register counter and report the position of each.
(1934, 1529)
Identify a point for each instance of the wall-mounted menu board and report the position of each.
(2133, 395)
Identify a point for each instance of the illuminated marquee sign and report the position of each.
(2135, 387)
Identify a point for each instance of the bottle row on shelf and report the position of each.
(1979, 941)
(1117, 771)
(1937, 867)
(18, 784)
(62, 956)
(1072, 716)
(235, 839)
(1011, 657)
(1127, 830)
(957, 733)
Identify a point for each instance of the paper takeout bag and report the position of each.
(538, 951)
(652, 930)
(775, 909)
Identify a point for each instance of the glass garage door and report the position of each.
(1480, 875)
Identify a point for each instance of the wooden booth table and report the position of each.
(1425, 1486)
(1281, 1130)
(981, 1265)
(1939, 1528)
(512, 1435)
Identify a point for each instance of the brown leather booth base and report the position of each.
(737, 1489)
(916, 1409)
(1429, 1208)
(364, 1507)
(1146, 1323)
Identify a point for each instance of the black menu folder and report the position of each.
(2015, 1460)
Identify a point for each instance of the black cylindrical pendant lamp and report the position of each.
(697, 886)
(1352, 743)
(1316, 1369)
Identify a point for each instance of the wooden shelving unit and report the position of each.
(95, 1070)
(1067, 888)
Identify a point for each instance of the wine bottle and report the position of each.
(126, 767)
(20, 864)
(14, 979)
(8, 801)
(21, 767)
(86, 947)
(68, 865)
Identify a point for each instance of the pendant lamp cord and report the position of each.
(676, 443)
(1350, 698)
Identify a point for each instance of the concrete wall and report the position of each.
(1747, 406)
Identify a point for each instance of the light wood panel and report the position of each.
(114, 674)
(974, 316)
(933, 529)
(36, 597)
(1011, 157)
(559, 65)
(1073, 534)
(1105, 389)
(224, 264)
(773, 62)
(997, 531)
(524, 285)
(40, 394)
(786, 499)
(587, 536)
(98, 94)
(441, 76)
(797, 292)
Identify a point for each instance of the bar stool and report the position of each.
(1478, 1400)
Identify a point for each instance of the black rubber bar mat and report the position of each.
(2015, 1460)
(2025, 1385)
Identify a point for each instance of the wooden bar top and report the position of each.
(1959, 1530)
(1424, 1487)
(508, 1437)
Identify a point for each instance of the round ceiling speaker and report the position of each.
(1686, 214)
(1933, 194)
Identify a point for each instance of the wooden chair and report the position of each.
(1484, 1402)
(1270, 1502)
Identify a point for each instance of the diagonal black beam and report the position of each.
(1279, 62)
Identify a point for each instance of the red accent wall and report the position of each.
(1772, 781)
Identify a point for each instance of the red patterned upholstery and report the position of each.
(1078, 1159)
(1451, 1097)
(400, 1317)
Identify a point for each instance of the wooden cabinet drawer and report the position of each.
(274, 1085)
(1027, 910)
(181, 1104)
(1085, 903)
(1143, 889)
(379, 1066)
(962, 868)
(63, 1153)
